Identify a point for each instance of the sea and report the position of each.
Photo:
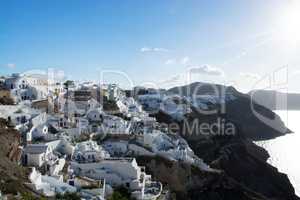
(285, 151)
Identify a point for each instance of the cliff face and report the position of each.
(5, 97)
(246, 163)
(12, 176)
(252, 120)
(246, 173)
(190, 183)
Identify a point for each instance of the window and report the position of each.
(72, 182)
(23, 119)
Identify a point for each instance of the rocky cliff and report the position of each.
(12, 176)
(245, 174)
(189, 183)
(253, 120)
(245, 171)
(246, 163)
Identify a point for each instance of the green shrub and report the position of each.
(68, 196)
(120, 193)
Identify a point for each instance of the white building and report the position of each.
(62, 146)
(123, 148)
(122, 107)
(82, 124)
(27, 87)
(39, 128)
(37, 154)
(47, 185)
(150, 102)
(46, 157)
(37, 132)
(15, 81)
(142, 124)
(89, 151)
(95, 115)
(73, 109)
(18, 114)
(113, 92)
(116, 148)
(2, 81)
(121, 172)
(173, 147)
(57, 121)
(175, 106)
(115, 125)
(129, 107)
(89, 188)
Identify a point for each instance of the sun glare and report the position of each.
(289, 27)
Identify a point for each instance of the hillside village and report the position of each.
(84, 137)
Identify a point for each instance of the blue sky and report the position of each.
(230, 42)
